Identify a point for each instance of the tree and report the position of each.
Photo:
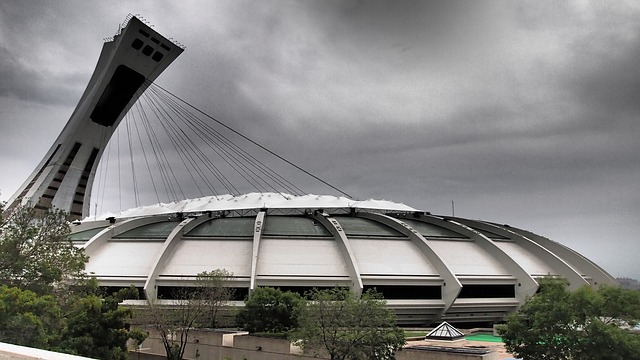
(215, 292)
(270, 310)
(28, 319)
(36, 252)
(175, 319)
(96, 326)
(348, 327)
(586, 324)
(45, 299)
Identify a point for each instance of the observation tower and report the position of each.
(128, 63)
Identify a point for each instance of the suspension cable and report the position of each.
(254, 142)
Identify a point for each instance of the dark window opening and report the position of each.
(155, 40)
(146, 34)
(487, 291)
(148, 50)
(165, 47)
(391, 292)
(111, 290)
(76, 213)
(47, 196)
(303, 291)
(117, 94)
(90, 161)
(137, 44)
(72, 154)
(184, 292)
(157, 56)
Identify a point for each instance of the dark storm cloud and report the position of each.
(609, 82)
(35, 64)
(23, 83)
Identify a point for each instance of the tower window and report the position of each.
(137, 44)
(157, 56)
(148, 50)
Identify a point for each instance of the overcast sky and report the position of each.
(525, 113)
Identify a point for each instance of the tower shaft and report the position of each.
(135, 56)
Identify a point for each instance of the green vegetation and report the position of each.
(270, 310)
(96, 326)
(334, 321)
(203, 301)
(36, 253)
(214, 292)
(586, 324)
(413, 334)
(39, 305)
(345, 326)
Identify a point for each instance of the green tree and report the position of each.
(28, 319)
(36, 252)
(45, 299)
(270, 310)
(344, 326)
(215, 292)
(174, 319)
(96, 326)
(585, 324)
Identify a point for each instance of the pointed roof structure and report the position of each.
(445, 331)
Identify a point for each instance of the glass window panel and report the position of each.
(85, 235)
(225, 227)
(354, 226)
(430, 230)
(159, 230)
(293, 226)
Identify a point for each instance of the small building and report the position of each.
(446, 332)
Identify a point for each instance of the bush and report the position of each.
(270, 310)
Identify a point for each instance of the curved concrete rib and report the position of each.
(257, 235)
(452, 286)
(345, 249)
(526, 285)
(169, 245)
(597, 274)
(99, 239)
(575, 278)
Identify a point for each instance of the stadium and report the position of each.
(428, 267)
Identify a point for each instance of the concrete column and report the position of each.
(345, 249)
